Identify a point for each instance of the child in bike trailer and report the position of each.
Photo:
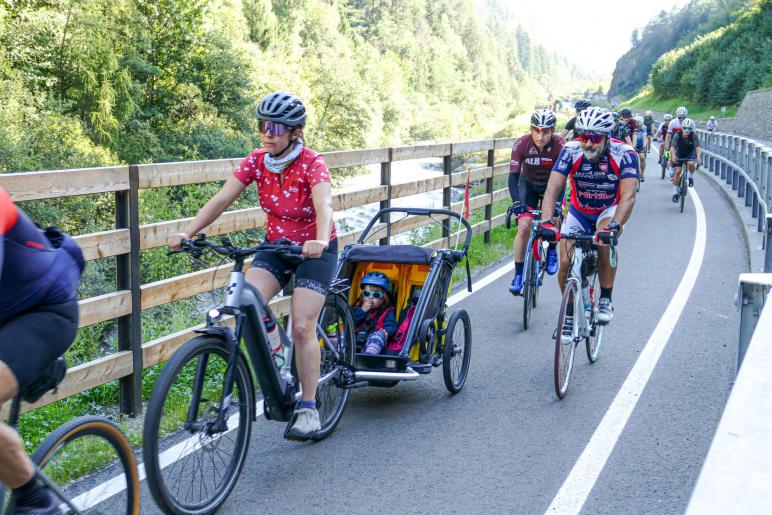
(374, 319)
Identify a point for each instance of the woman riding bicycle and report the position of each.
(295, 192)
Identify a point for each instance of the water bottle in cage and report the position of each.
(274, 341)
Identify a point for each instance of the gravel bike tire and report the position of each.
(169, 502)
(564, 353)
(331, 397)
(64, 440)
(457, 354)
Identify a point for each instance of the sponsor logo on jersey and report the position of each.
(611, 177)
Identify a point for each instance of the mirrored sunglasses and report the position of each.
(373, 294)
(593, 138)
(273, 128)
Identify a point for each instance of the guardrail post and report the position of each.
(127, 272)
(386, 181)
(767, 246)
(489, 192)
(741, 186)
(743, 162)
(750, 301)
(447, 164)
(723, 170)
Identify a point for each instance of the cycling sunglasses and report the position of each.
(373, 294)
(593, 138)
(273, 128)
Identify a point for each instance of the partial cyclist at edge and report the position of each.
(684, 150)
(295, 192)
(533, 156)
(570, 128)
(604, 175)
(38, 323)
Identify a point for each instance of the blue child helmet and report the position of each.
(376, 279)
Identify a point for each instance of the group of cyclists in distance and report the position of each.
(587, 185)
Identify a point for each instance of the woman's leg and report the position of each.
(306, 306)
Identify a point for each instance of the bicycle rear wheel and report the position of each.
(663, 162)
(331, 397)
(529, 287)
(565, 348)
(85, 452)
(192, 464)
(594, 341)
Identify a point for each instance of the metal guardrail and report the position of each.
(737, 474)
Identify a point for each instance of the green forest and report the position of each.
(665, 32)
(96, 82)
(721, 66)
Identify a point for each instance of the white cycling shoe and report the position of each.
(305, 426)
(605, 310)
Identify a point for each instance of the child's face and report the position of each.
(374, 294)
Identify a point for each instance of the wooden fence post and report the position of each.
(386, 181)
(489, 191)
(127, 272)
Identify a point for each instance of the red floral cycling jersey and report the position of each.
(286, 198)
(595, 186)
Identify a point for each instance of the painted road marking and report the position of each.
(581, 480)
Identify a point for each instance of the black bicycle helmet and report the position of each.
(626, 112)
(282, 107)
(543, 119)
(582, 104)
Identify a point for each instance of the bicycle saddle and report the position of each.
(47, 381)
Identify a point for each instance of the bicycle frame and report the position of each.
(575, 276)
(279, 387)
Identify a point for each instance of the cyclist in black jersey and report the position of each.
(38, 321)
(580, 105)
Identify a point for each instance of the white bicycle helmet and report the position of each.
(648, 113)
(681, 112)
(639, 119)
(594, 120)
(712, 117)
(688, 123)
(543, 119)
(668, 117)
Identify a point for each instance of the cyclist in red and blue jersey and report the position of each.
(674, 126)
(533, 157)
(604, 175)
(295, 191)
(38, 322)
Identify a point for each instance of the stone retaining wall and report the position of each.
(753, 118)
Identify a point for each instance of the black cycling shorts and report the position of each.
(531, 196)
(682, 160)
(31, 341)
(314, 274)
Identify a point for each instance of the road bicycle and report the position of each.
(534, 266)
(199, 419)
(577, 319)
(77, 456)
(683, 184)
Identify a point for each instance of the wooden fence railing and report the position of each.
(129, 238)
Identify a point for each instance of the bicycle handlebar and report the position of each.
(196, 247)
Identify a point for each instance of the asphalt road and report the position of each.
(506, 443)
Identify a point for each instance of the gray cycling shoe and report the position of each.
(304, 426)
(605, 310)
(51, 508)
(567, 333)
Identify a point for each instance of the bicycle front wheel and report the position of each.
(192, 461)
(85, 452)
(684, 189)
(566, 337)
(594, 341)
(331, 396)
(529, 287)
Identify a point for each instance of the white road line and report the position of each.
(116, 485)
(581, 480)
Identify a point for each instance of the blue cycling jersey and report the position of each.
(595, 186)
(32, 271)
